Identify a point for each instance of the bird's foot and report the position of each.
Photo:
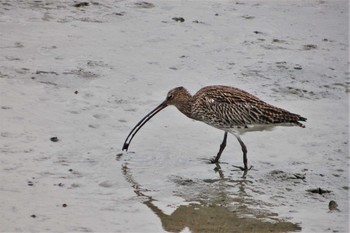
(243, 168)
(213, 160)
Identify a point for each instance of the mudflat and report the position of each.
(75, 77)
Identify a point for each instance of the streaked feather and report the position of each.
(227, 107)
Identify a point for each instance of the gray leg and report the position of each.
(222, 147)
(244, 150)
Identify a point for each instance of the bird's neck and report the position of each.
(184, 105)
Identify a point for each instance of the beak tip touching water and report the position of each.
(125, 147)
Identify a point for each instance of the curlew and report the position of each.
(226, 108)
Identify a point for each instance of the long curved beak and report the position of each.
(141, 123)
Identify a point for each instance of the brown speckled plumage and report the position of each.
(226, 108)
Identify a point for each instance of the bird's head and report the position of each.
(177, 96)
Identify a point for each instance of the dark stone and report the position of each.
(178, 19)
(54, 139)
(81, 4)
(309, 46)
(332, 205)
(298, 67)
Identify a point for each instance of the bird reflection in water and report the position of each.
(211, 215)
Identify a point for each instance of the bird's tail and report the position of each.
(301, 119)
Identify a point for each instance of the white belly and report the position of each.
(252, 128)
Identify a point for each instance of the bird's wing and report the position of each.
(233, 107)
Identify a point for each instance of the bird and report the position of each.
(226, 108)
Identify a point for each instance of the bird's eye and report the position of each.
(170, 96)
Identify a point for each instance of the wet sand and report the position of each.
(76, 77)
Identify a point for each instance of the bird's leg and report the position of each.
(245, 159)
(218, 169)
(222, 147)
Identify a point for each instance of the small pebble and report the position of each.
(309, 46)
(298, 67)
(332, 205)
(144, 5)
(179, 19)
(33, 216)
(59, 185)
(64, 205)
(54, 139)
(80, 4)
